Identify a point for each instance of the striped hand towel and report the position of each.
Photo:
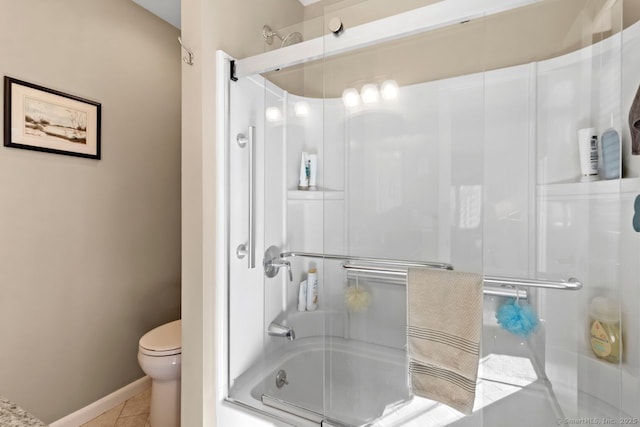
(443, 335)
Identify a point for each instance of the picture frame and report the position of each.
(42, 119)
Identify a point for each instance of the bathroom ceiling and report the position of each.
(169, 10)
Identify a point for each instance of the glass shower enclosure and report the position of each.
(437, 135)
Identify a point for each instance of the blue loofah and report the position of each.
(517, 319)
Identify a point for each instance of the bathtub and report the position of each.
(348, 382)
(341, 381)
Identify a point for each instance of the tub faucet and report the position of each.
(277, 330)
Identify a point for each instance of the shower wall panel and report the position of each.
(246, 296)
(509, 180)
(581, 231)
(316, 219)
(509, 205)
(274, 180)
(630, 85)
(630, 295)
(253, 299)
(630, 240)
(394, 188)
(424, 168)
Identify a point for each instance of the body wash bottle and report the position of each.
(313, 170)
(302, 296)
(604, 328)
(312, 290)
(303, 183)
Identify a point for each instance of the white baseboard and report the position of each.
(101, 406)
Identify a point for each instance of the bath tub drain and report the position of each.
(281, 379)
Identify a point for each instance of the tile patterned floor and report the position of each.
(132, 413)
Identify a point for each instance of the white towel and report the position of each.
(443, 335)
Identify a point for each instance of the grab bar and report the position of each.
(401, 280)
(427, 264)
(250, 248)
(569, 285)
(572, 284)
(498, 286)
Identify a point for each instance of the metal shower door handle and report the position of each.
(250, 248)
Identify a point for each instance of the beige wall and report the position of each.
(89, 249)
(631, 11)
(208, 25)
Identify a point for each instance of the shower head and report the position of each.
(292, 38)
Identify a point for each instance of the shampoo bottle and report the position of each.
(610, 145)
(313, 170)
(302, 296)
(303, 182)
(588, 149)
(312, 290)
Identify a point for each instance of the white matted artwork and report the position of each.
(42, 119)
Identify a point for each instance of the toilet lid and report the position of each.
(163, 340)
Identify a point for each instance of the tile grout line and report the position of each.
(120, 416)
(120, 413)
(132, 415)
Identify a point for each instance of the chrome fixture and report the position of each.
(292, 38)
(571, 284)
(502, 286)
(277, 330)
(273, 262)
(335, 25)
(396, 272)
(386, 261)
(249, 248)
(281, 378)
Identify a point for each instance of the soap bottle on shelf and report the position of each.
(303, 183)
(604, 329)
(312, 289)
(313, 171)
(302, 296)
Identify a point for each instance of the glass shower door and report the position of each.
(244, 151)
(450, 146)
(265, 335)
(293, 381)
(413, 182)
(455, 145)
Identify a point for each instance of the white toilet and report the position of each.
(160, 357)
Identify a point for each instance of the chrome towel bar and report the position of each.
(397, 262)
(397, 269)
(569, 285)
(401, 280)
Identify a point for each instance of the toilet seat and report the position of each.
(165, 340)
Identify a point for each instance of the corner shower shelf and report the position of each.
(315, 195)
(602, 187)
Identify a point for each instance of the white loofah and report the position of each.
(357, 298)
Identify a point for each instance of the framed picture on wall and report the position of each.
(41, 119)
